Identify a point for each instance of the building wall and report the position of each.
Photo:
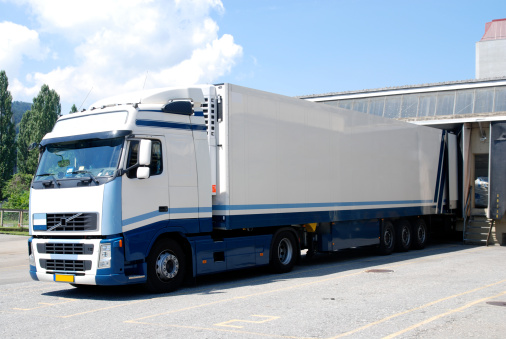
(490, 59)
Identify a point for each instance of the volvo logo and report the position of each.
(63, 221)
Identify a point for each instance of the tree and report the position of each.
(24, 142)
(39, 121)
(17, 189)
(73, 109)
(7, 133)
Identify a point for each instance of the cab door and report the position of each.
(145, 202)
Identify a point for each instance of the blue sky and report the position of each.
(288, 47)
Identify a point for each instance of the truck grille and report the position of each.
(69, 222)
(65, 265)
(57, 248)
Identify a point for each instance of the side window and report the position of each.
(156, 166)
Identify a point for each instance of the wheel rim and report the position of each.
(421, 234)
(406, 236)
(285, 251)
(167, 266)
(388, 238)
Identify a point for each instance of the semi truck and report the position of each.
(165, 185)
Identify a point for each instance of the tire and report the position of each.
(283, 249)
(166, 267)
(420, 234)
(387, 238)
(403, 235)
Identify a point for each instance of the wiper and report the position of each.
(89, 173)
(56, 183)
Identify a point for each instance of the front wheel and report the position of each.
(283, 252)
(166, 267)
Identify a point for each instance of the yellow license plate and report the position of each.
(64, 278)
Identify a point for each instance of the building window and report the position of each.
(500, 99)
(484, 100)
(427, 105)
(409, 106)
(445, 103)
(392, 106)
(464, 102)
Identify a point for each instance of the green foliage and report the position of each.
(36, 123)
(24, 138)
(7, 132)
(18, 109)
(17, 190)
(73, 109)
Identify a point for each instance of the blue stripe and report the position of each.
(195, 113)
(167, 124)
(276, 219)
(440, 163)
(142, 217)
(316, 205)
(154, 214)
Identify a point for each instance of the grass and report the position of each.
(14, 230)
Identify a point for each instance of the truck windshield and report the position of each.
(82, 158)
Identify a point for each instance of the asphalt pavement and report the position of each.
(447, 290)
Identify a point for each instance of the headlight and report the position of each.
(105, 256)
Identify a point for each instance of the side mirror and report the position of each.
(143, 172)
(145, 152)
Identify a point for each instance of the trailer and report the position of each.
(154, 187)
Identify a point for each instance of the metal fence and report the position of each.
(13, 218)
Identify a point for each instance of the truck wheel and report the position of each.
(403, 235)
(420, 234)
(166, 267)
(283, 252)
(387, 239)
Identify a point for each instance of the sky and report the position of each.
(88, 50)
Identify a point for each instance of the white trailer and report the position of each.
(151, 187)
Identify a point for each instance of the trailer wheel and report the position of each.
(387, 239)
(166, 267)
(283, 252)
(420, 234)
(403, 235)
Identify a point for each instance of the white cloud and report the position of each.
(114, 43)
(17, 43)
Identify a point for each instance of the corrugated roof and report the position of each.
(448, 83)
(495, 30)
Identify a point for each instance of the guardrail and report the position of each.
(13, 218)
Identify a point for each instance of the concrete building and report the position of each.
(475, 110)
(491, 51)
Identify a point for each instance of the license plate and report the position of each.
(64, 278)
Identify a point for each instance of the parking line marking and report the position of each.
(44, 305)
(268, 318)
(415, 260)
(455, 310)
(414, 309)
(104, 308)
